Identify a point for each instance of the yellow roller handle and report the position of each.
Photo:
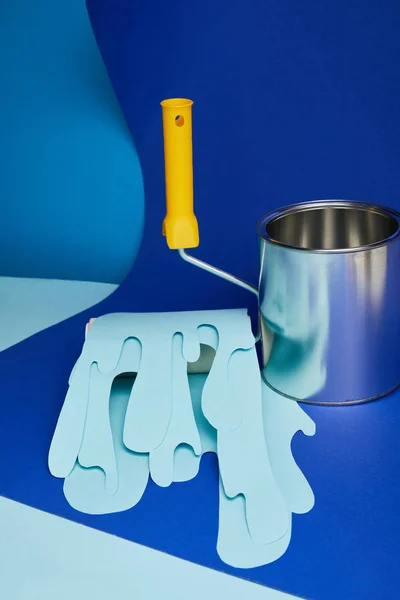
(180, 224)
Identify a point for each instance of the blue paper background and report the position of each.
(293, 101)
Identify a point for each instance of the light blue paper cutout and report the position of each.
(68, 435)
(153, 396)
(182, 427)
(243, 458)
(221, 409)
(235, 546)
(282, 419)
(85, 489)
(186, 463)
(252, 516)
(97, 449)
(85, 418)
(242, 450)
(149, 408)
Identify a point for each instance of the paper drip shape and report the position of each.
(157, 421)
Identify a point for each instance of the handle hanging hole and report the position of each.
(179, 120)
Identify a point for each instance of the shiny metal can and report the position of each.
(329, 298)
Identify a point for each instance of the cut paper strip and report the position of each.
(282, 419)
(244, 463)
(235, 545)
(223, 410)
(182, 428)
(85, 489)
(149, 409)
(186, 463)
(97, 449)
(243, 457)
(83, 413)
(68, 435)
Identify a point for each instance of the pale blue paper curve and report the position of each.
(235, 546)
(244, 462)
(182, 427)
(260, 483)
(282, 418)
(85, 489)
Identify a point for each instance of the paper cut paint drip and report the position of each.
(85, 489)
(282, 418)
(114, 432)
(182, 427)
(235, 545)
(244, 464)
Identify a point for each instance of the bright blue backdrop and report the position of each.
(293, 101)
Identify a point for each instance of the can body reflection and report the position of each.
(329, 294)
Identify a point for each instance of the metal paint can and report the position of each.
(329, 298)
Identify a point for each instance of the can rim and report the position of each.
(385, 211)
